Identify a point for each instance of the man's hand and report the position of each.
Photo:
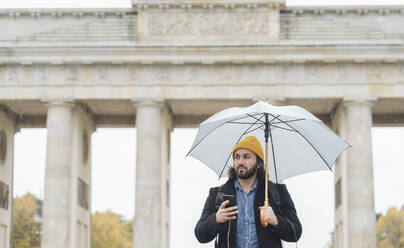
(224, 214)
(269, 215)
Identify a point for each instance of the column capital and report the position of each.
(351, 101)
(149, 102)
(275, 100)
(58, 102)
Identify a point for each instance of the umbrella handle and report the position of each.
(266, 204)
(263, 222)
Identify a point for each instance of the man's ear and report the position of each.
(259, 165)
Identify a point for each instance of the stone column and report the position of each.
(7, 131)
(58, 196)
(148, 199)
(340, 126)
(361, 210)
(83, 127)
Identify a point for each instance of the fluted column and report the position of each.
(340, 126)
(148, 210)
(57, 199)
(361, 210)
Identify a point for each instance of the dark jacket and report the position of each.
(268, 237)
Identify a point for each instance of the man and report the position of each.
(239, 226)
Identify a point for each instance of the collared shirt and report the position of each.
(246, 233)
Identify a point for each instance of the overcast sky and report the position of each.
(113, 161)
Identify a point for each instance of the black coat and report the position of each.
(268, 237)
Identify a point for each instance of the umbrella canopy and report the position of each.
(299, 141)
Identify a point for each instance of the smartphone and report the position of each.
(232, 200)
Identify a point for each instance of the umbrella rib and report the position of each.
(236, 122)
(273, 153)
(301, 119)
(252, 116)
(269, 123)
(262, 121)
(306, 140)
(215, 129)
(283, 128)
(245, 132)
(255, 129)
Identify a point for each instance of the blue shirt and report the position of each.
(246, 233)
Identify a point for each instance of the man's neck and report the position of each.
(247, 184)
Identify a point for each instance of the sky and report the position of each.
(113, 158)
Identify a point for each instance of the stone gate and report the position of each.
(165, 64)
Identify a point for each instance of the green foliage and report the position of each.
(25, 227)
(110, 230)
(390, 229)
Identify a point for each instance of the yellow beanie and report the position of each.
(251, 143)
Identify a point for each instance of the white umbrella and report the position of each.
(300, 142)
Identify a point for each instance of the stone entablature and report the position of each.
(202, 23)
(238, 74)
(342, 23)
(188, 5)
(67, 25)
(291, 52)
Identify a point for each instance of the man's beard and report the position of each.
(247, 173)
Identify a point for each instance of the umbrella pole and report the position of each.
(266, 203)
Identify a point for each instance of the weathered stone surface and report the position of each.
(7, 131)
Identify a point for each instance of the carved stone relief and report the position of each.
(102, 73)
(3, 147)
(85, 147)
(161, 73)
(223, 74)
(338, 194)
(156, 74)
(4, 194)
(44, 74)
(83, 194)
(134, 73)
(72, 74)
(216, 23)
(401, 71)
(345, 72)
(254, 73)
(170, 24)
(374, 72)
(312, 72)
(13, 75)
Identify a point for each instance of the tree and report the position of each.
(110, 230)
(26, 227)
(331, 243)
(390, 229)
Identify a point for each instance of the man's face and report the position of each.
(245, 163)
